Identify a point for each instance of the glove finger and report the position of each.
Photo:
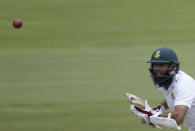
(158, 127)
(147, 106)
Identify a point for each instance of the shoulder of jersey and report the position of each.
(183, 79)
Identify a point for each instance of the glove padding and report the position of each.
(164, 122)
(144, 115)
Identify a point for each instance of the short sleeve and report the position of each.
(184, 95)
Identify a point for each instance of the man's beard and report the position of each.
(162, 81)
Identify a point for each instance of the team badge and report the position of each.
(157, 55)
(172, 95)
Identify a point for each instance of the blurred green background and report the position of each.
(68, 67)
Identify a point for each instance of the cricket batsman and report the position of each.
(179, 91)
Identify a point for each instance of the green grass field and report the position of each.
(68, 67)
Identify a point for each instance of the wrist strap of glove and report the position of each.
(159, 107)
(142, 111)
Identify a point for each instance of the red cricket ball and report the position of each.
(17, 23)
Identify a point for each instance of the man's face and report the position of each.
(160, 68)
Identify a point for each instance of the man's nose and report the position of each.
(158, 73)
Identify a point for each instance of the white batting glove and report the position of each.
(164, 122)
(143, 117)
